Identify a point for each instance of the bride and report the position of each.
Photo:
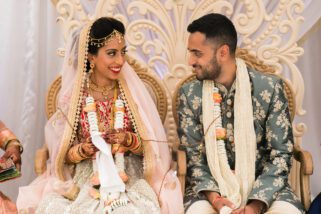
(81, 176)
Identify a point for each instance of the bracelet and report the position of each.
(73, 154)
(81, 152)
(14, 142)
(5, 137)
(129, 141)
(136, 145)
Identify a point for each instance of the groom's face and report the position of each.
(203, 57)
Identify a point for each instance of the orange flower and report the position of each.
(118, 148)
(124, 177)
(90, 107)
(122, 109)
(95, 180)
(217, 97)
(94, 193)
(220, 133)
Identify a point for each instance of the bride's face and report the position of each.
(110, 59)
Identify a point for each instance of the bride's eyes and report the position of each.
(111, 53)
(114, 52)
(123, 52)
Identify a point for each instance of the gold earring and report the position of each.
(92, 66)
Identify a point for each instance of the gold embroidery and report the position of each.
(75, 104)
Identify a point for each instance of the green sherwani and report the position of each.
(273, 136)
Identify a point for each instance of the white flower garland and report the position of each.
(116, 198)
(220, 135)
(119, 124)
(219, 127)
(92, 117)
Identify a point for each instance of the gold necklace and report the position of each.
(102, 89)
(111, 116)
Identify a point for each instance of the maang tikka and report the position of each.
(103, 41)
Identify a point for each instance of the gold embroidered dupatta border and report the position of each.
(142, 131)
(75, 103)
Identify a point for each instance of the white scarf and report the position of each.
(236, 187)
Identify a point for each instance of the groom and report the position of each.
(235, 125)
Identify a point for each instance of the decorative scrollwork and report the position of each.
(72, 15)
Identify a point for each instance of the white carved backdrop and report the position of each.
(156, 34)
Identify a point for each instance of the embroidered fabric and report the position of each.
(142, 197)
(104, 111)
(83, 172)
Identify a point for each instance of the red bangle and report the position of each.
(215, 199)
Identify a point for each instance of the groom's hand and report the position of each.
(254, 207)
(218, 202)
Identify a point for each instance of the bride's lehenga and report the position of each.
(142, 197)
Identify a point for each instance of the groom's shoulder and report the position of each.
(263, 81)
(193, 86)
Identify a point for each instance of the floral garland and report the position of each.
(114, 199)
(220, 135)
(219, 130)
(119, 153)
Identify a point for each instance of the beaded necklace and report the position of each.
(102, 127)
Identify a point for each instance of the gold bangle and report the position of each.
(129, 141)
(81, 152)
(133, 143)
(4, 128)
(6, 136)
(73, 155)
(14, 142)
(137, 147)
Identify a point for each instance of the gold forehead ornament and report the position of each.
(104, 41)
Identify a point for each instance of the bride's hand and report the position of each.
(89, 148)
(117, 136)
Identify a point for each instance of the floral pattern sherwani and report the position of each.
(273, 136)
